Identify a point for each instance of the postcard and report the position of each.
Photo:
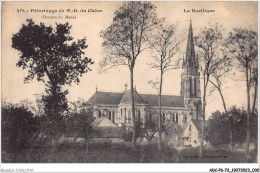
(162, 82)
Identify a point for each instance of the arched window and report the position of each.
(113, 116)
(185, 118)
(163, 117)
(173, 117)
(197, 111)
(120, 116)
(139, 116)
(195, 86)
(182, 86)
(177, 117)
(99, 114)
(125, 114)
(191, 87)
(129, 115)
(150, 116)
(109, 115)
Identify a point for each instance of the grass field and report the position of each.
(120, 153)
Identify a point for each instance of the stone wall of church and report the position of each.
(122, 114)
(125, 114)
(111, 112)
(180, 116)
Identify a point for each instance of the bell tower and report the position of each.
(190, 78)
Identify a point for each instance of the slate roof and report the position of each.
(173, 128)
(127, 98)
(96, 121)
(107, 98)
(113, 98)
(167, 100)
(103, 121)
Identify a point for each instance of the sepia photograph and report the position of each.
(129, 82)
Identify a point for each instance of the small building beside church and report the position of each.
(192, 133)
(173, 135)
(177, 111)
(106, 131)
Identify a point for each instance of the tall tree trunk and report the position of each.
(231, 133)
(223, 100)
(54, 113)
(230, 119)
(254, 111)
(203, 116)
(225, 109)
(160, 113)
(255, 97)
(133, 108)
(248, 115)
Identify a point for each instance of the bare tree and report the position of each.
(208, 42)
(218, 79)
(242, 45)
(165, 46)
(149, 130)
(125, 40)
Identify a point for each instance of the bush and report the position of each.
(219, 127)
(128, 136)
(18, 126)
(79, 124)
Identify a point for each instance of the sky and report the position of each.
(89, 24)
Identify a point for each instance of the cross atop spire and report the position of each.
(190, 51)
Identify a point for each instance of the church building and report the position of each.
(116, 106)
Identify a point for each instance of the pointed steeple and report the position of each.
(190, 78)
(190, 51)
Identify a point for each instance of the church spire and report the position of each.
(190, 78)
(190, 51)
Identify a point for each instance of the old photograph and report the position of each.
(129, 82)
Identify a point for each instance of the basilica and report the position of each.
(178, 110)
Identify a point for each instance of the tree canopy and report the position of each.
(48, 51)
(125, 38)
(18, 126)
(218, 130)
(242, 45)
(165, 46)
(51, 56)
